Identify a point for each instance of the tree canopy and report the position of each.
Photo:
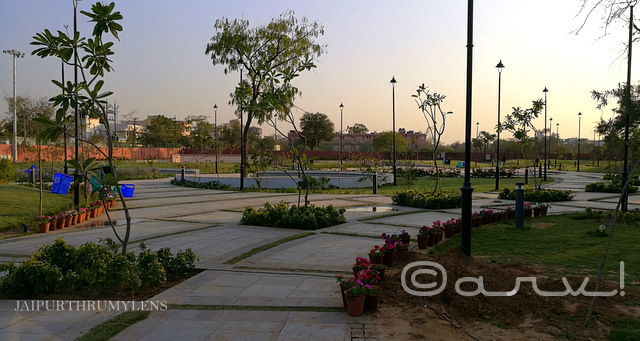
(316, 128)
(384, 143)
(357, 128)
(270, 57)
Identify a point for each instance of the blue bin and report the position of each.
(61, 183)
(127, 190)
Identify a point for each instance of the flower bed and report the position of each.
(296, 217)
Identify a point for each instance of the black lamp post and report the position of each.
(466, 189)
(500, 66)
(545, 133)
(215, 132)
(393, 134)
(341, 136)
(579, 119)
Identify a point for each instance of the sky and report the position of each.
(161, 67)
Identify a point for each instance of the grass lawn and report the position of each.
(562, 244)
(19, 204)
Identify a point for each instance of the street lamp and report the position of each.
(393, 135)
(215, 132)
(550, 135)
(579, 119)
(500, 66)
(16, 54)
(341, 136)
(545, 133)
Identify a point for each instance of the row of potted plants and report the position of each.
(73, 216)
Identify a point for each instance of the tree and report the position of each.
(483, 141)
(357, 128)
(383, 143)
(85, 95)
(230, 136)
(162, 132)
(28, 109)
(430, 106)
(316, 128)
(201, 137)
(269, 57)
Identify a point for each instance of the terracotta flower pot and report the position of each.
(60, 224)
(401, 253)
(74, 219)
(371, 302)
(387, 259)
(53, 224)
(69, 221)
(544, 211)
(431, 240)
(44, 227)
(422, 241)
(355, 304)
(375, 259)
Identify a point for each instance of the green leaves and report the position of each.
(105, 19)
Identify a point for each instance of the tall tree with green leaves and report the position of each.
(357, 128)
(316, 129)
(383, 143)
(269, 57)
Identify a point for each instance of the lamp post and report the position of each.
(500, 66)
(557, 138)
(466, 189)
(242, 155)
(545, 133)
(16, 54)
(215, 132)
(550, 135)
(579, 119)
(341, 136)
(393, 134)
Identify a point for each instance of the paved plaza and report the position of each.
(279, 294)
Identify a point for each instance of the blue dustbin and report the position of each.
(127, 190)
(61, 183)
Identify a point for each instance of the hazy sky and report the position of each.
(161, 68)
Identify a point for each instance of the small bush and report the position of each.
(296, 217)
(631, 217)
(491, 172)
(604, 187)
(438, 200)
(204, 185)
(538, 195)
(92, 268)
(7, 171)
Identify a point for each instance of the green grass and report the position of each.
(19, 204)
(112, 327)
(561, 244)
(625, 329)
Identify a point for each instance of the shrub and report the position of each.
(491, 172)
(604, 187)
(538, 195)
(7, 171)
(204, 185)
(93, 268)
(297, 217)
(438, 200)
(631, 217)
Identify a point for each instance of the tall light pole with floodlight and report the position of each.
(579, 119)
(500, 66)
(16, 54)
(215, 132)
(545, 133)
(393, 134)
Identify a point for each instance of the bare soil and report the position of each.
(524, 316)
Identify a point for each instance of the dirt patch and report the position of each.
(523, 316)
(540, 225)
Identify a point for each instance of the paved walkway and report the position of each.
(283, 293)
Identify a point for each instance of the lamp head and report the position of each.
(579, 114)
(393, 80)
(545, 89)
(215, 106)
(500, 66)
(341, 106)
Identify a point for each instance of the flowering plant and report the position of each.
(509, 209)
(53, 217)
(372, 290)
(475, 215)
(368, 276)
(527, 205)
(378, 267)
(94, 204)
(43, 219)
(401, 245)
(451, 222)
(376, 251)
(389, 247)
(404, 234)
(344, 280)
(487, 212)
(424, 230)
(543, 205)
(361, 264)
(357, 289)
